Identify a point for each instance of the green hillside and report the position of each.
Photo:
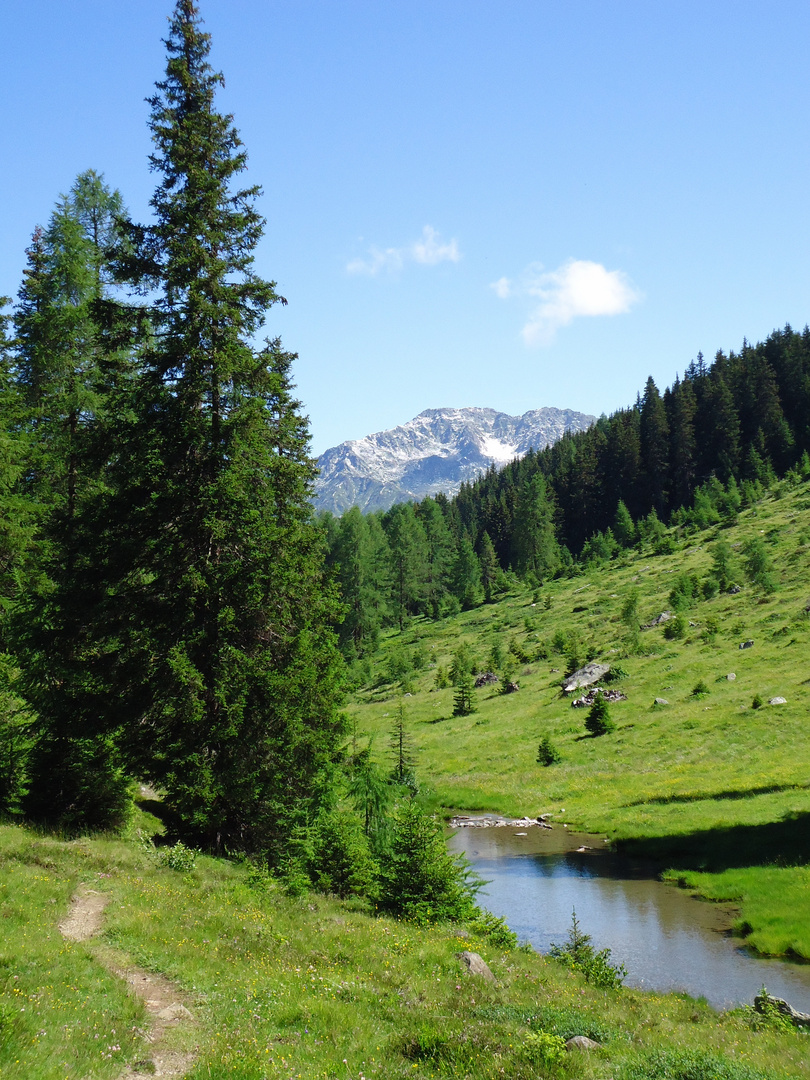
(716, 780)
(310, 987)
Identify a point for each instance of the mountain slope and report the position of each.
(436, 451)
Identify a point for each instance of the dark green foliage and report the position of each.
(758, 566)
(685, 590)
(578, 954)
(725, 569)
(465, 579)
(536, 552)
(654, 431)
(756, 702)
(693, 456)
(420, 879)
(77, 784)
(700, 689)
(15, 738)
(360, 556)
(675, 628)
(624, 528)
(547, 753)
(598, 720)
(409, 567)
(225, 675)
(401, 743)
(342, 863)
(66, 376)
(464, 697)
(369, 789)
(490, 570)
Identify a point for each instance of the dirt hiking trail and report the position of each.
(162, 999)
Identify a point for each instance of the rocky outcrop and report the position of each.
(584, 677)
(588, 699)
(485, 679)
(763, 1002)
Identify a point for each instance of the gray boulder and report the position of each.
(777, 701)
(585, 676)
(660, 701)
(476, 965)
(746, 644)
(582, 1042)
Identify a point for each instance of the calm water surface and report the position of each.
(666, 939)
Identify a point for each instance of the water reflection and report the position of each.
(665, 938)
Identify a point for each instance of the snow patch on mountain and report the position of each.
(435, 452)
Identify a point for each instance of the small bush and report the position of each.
(494, 929)
(700, 689)
(756, 703)
(616, 673)
(547, 753)
(675, 628)
(544, 1049)
(598, 720)
(579, 955)
(178, 857)
(420, 879)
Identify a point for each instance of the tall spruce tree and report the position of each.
(75, 779)
(227, 675)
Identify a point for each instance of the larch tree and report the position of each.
(227, 674)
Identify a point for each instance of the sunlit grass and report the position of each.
(697, 765)
(309, 987)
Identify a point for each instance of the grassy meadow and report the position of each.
(312, 987)
(715, 784)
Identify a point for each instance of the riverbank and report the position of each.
(702, 773)
(311, 987)
(667, 939)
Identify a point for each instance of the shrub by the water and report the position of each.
(579, 955)
(420, 880)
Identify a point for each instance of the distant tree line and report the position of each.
(690, 456)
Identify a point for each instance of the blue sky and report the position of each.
(511, 205)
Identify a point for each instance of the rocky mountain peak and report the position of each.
(435, 452)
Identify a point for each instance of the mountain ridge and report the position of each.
(436, 451)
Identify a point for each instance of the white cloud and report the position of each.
(502, 287)
(428, 250)
(390, 259)
(577, 289)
